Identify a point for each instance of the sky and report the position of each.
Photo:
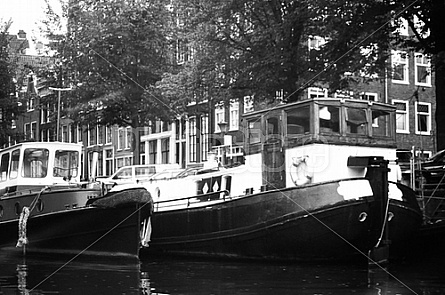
(25, 15)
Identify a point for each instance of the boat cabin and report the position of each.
(37, 164)
(310, 141)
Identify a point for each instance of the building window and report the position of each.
(422, 74)
(92, 136)
(192, 139)
(100, 134)
(165, 150)
(30, 130)
(204, 137)
(234, 116)
(315, 92)
(399, 60)
(65, 134)
(121, 138)
(45, 114)
(129, 138)
(152, 151)
(369, 96)
(423, 118)
(184, 52)
(248, 104)
(142, 152)
(219, 116)
(402, 116)
(108, 162)
(79, 134)
(109, 135)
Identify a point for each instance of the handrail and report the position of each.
(189, 199)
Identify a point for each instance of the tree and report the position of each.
(258, 47)
(113, 54)
(9, 104)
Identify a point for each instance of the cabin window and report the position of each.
(4, 167)
(272, 127)
(356, 121)
(66, 164)
(298, 121)
(35, 163)
(15, 160)
(380, 123)
(329, 119)
(125, 173)
(254, 131)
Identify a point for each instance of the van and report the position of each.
(135, 173)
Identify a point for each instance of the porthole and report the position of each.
(40, 206)
(17, 208)
(362, 217)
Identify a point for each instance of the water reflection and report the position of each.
(182, 276)
(44, 275)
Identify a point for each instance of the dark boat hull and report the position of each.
(291, 224)
(112, 228)
(311, 223)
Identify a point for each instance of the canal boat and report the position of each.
(44, 206)
(316, 180)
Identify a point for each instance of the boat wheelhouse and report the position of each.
(313, 186)
(44, 206)
(25, 166)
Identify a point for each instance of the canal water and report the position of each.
(50, 275)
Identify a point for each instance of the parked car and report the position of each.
(433, 168)
(135, 173)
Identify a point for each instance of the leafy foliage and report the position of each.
(9, 104)
(258, 47)
(113, 53)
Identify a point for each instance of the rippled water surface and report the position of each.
(50, 275)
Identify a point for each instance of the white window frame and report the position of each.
(234, 116)
(400, 58)
(422, 60)
(369, 95)
(220, 116)
(108, 131)
(316, 92)
(128, 141)
(404, 113)
(428, 114)
(248, 104)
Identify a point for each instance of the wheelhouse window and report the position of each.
(66, 164)
(35, 163)
(4, 167)
(356, 121)
(329, 118)
(298, 121)
(15, 160)
(381, 123)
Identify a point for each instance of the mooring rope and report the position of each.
(23, 219)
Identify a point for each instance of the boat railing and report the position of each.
(37, 189)
(189, 201)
